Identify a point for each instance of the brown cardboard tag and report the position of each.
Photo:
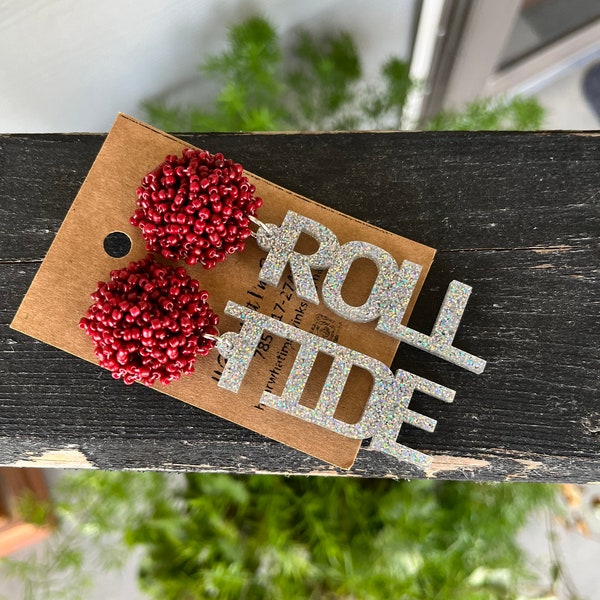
(60, 293)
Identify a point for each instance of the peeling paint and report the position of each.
(65, 458)
(327, 472)
(529, 465)
(553, 249)
(442, 464)
(169, 466)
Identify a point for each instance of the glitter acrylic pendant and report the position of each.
(386, 408)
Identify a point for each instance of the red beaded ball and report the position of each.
(148, 322)
(195, 208)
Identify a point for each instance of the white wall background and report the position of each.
(71, 65)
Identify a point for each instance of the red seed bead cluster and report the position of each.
(148, 322)
(195, 208)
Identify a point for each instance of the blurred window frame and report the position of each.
(465, 39)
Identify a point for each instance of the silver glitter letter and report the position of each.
(280, 242)
(391, 291)
(384, 440)
(439, 343)
(386, 408)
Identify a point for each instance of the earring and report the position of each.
(196, 208)
(149, 322)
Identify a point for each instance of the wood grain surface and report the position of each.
(515, 215)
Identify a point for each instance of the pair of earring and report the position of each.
(150, 321)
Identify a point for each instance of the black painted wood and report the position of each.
(515, 215)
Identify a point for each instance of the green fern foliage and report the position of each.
(318, 85)
(269, 537)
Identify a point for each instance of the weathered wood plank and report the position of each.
(515, 215)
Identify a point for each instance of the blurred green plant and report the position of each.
(491, 115)
(219, 536)
(269, 537)
(318, 85)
